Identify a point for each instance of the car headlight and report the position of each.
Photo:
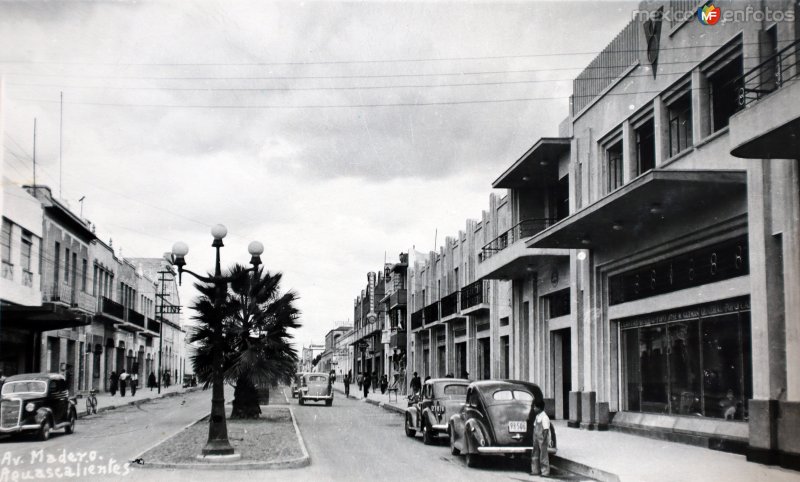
(30, 407)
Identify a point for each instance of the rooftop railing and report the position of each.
(770, 75)
(524, 229)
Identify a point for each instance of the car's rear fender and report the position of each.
(413, 413)
(475, 435)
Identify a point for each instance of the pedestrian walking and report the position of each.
(151, 381)
(347, 385)
(416, 384)
(134, 383)
(540, 459)
(123, 382)
(366, 383)
(384, 383)
(112, 386)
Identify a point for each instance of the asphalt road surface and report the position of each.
(351, 440)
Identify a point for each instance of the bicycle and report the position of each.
(91, 402)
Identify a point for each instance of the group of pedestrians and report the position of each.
(123, 381)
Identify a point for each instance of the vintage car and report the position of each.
(316, 387)
(429, 412)
(37, 403)
(296, 382)
(496, 420)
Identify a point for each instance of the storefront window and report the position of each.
(696, 367)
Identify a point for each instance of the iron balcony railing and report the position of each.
(450, 305)
(135, 317)
(64, 293)
(397, 298)
(416, 319)
(112, 308)
(524, 229)
(769, 76)
(431, 313)
(474, 294)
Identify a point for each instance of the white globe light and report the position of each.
(255, 248)
(219, 231)
(180, 249)
(581, 256)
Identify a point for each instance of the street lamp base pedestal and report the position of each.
(219, 458)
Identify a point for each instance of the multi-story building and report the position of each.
(20, 281)
(683, 249)
(395, 278)
(329, 360)
(308, 355)
(344, 352)
(70, 305)
(460, 322)
(369, 321)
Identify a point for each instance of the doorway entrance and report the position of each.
(562, 370)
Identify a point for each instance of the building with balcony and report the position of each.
(370, 338)
(330, 359)
(344, 353)
(458, 321)
(394, 301)
(682, 249)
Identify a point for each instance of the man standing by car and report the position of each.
(416, 384)
(540, 459)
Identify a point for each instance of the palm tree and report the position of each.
(255, 338)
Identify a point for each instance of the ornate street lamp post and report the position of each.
(218, 445)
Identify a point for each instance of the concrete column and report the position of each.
(791, 274)
(628, 151)
(661, 129)
(558, 377)
(701, 109)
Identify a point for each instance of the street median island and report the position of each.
(272, 441)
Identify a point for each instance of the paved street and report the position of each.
(351, 440)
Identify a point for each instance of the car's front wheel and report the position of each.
(453, 449)
(44, 430)
(71, 427)
(328, 403)
(473, 460)
(301, 401)
(410, 432)
(427, 434)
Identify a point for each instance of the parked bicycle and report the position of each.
(91, 402)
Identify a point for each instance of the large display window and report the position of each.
(695, 361)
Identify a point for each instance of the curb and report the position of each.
(386, 406)
(583, 469)
(83, 414)
(302, 461)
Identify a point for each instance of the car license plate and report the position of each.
(517, 426)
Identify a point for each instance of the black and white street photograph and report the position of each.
(400, 240)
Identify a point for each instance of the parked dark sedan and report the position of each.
(38, 403)
(429, 413)
(495, 420)
(315, 387)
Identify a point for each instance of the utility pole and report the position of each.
(34, 153)
(60, 143)
(161, 308)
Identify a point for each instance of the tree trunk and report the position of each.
(245, 400)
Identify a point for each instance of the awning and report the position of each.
(49, 316)
(539, 165)
(642, 207)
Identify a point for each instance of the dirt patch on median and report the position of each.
(270, 439)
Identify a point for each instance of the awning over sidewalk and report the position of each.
(49, 316)
(538, 165)
(640, 207)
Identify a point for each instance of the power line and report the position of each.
(349, 61)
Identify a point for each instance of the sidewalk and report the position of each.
(398, 404)
(106, 402)
(612, 456)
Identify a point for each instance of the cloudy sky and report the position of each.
(335, 133)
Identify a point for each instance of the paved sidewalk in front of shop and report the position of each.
(107, 402)
(387, 401)
(617, 456)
